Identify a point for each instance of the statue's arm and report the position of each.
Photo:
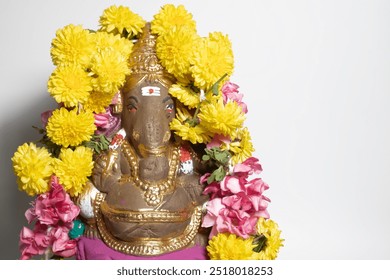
(107, 170)
(191, 182)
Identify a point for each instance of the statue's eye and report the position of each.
(132, 108)
(169, 108)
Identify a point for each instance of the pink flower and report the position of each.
(33, 242)
(255, 189)
(218, 140)
(45, 117)
(204, 177)
(213, 189)
(27, 245)
(107, 123)
(236, 202)
(44, 211)
(237, 222)
(62, 245)
(214, 206)
(235, 214)
(230, 92)
(248, 167)
(54, 213)
(66, 210)
(101, 120)
(52, 207)
(30, 214)
(232, 184)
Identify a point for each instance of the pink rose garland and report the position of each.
(53, 213)
(237, 202)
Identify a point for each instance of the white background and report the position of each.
(315, 75)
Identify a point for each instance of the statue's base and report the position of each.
(95, 249)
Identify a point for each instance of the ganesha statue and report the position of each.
(147, 155)
(145, 197)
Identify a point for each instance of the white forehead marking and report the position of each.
(150, 91)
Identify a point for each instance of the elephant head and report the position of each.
(148, 109)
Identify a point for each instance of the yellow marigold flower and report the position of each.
(121, 20)
(222, 39)
(271, 231)
(67, 128)
(98, 101)
(72, 45)
(33, 168)
(175, 49)
(73, 169)
(109, 69)
(70, 85)
(226, 246)
(185, 95)
(221, 119)
(170, 16)
(106, 40)
(242, 147)
(212, 60)
(194, 134)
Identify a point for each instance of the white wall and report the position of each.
(315, 75)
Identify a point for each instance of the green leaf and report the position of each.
(53, 148)
(98, 143)
(40, 130)
(260, 242)
(192, 121)
(211, 178)
(215, 86)
(193, 88)
(221, 157)
(205, 157)
(219, 174)
(209, 152)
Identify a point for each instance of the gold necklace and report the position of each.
(153, 191)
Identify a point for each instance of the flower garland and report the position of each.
(91, 67)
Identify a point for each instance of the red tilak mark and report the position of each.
(151, 91)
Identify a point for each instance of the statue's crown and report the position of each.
(144, 63)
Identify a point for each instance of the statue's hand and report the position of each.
(107, 170)
(190, 183)
(113, 164)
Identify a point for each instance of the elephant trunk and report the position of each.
(154, 139)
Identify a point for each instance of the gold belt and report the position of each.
(146, 246)
(161, 216)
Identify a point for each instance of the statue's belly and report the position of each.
(146, 231)
(130, 225)
(128, 217)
